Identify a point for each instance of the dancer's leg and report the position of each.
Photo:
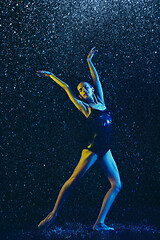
(110, 169)
(86, 161)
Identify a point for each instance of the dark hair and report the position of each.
(85, 82)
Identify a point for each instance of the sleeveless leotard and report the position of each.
(99, 131)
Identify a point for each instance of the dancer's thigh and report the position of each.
(87, 159)
(109, 168)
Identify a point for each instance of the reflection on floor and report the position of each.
(78, 231)
(132, 223)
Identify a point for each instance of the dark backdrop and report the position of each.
(42, 132)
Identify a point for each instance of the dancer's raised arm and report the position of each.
(82, 106)
(94, 75)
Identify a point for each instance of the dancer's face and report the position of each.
(85, 90)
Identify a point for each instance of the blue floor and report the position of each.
(76, 224)
(80, 231)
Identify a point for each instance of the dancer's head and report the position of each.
(86, 91)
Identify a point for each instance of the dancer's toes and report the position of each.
(102, 227)
(43, 223)
(46, 222)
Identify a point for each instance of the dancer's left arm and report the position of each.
(94, 75)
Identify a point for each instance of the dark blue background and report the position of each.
(42, 131)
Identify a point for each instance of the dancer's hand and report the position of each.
(92, 53)
(42, 73)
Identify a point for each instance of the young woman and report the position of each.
(92, 105)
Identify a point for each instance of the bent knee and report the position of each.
(73, 179)
(117, 186)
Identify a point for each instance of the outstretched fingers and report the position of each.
(42, 73)
(38, 73)
(92, 52)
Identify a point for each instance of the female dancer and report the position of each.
(92, 105)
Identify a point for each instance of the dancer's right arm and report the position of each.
(83, 107)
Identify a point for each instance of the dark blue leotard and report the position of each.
(99, 131)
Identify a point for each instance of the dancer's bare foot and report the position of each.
(102, 227)
(47, 221)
